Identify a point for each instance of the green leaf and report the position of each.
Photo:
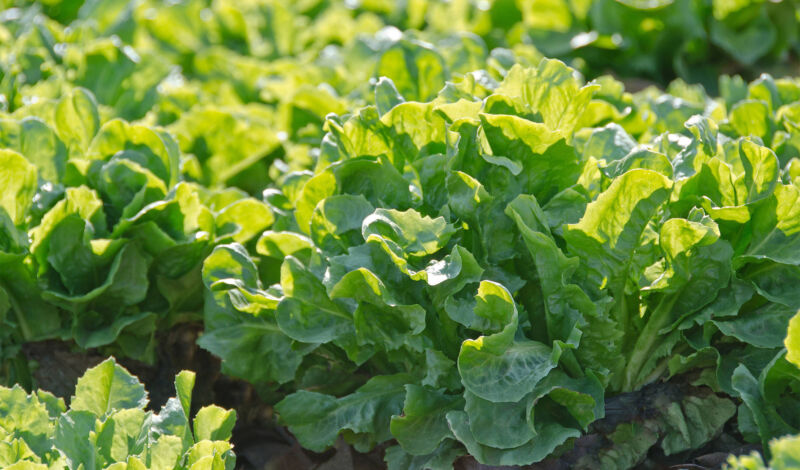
(497, 367)
(244, 219)
(612, 226)
(108, 387)
(209, 455)
(494, 307)
(156, 151)
(640, 158)
(543, 158)
(72, 256)
(336, 222)
(785, 452)
(120, 435)
(483, 416)
(776, 227)
(379, 319)
(18, 178)
(760, 170)
(306, 313)
(315, 190)
(698, 266)
(694, 421)
(281, 244)
(767, 419)
(316, 419)
(26, 465)
(792, 341)
(173, 419)
(440, 371)
(165, 453)
(751, 118)
(90, 333)
(610, 142)
(442, 458)
(77, 119)
(184, 383)
(508, 136)
(630, 443)
(466, 195)
(551, 90)
(25, 417)
(386, 95)
(422, 426)
(746, 44)
(239, 321)
(566, 304)
(214, 423)
(763, 327)
(81, 201)
(42, 147)
(73, 438)
(705, 130)
(774, 281)
(610, 231)
(415, 234)
(416, 69)
(549, 436)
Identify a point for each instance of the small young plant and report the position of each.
(107, 427)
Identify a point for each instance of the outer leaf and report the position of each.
(24, 417)
(77, 119)
(610, 229)
(496, 367)
(120, 435)
(73, 438)
(423, 427)
(307, 313)
(792, 341)
(237, 328)
(484, 415)
(108, 387)
(214, 423)
(244, 219)
(316, 419)
(378, 319)
(417, 235)
(550, 436)
(18, 180)
(776, 227)
(760, 170)
(441, 459)
(336, 222)
(550, 89)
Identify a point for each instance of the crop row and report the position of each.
(405, 237)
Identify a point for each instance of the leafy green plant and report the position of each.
(135, 148)
(101, 240)
(107, 427)
(514, 253)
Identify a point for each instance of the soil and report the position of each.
(261, 444)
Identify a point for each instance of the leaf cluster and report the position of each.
(107, 427)
(525, 252)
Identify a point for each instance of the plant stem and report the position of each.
(647, 341)
(25, 329)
